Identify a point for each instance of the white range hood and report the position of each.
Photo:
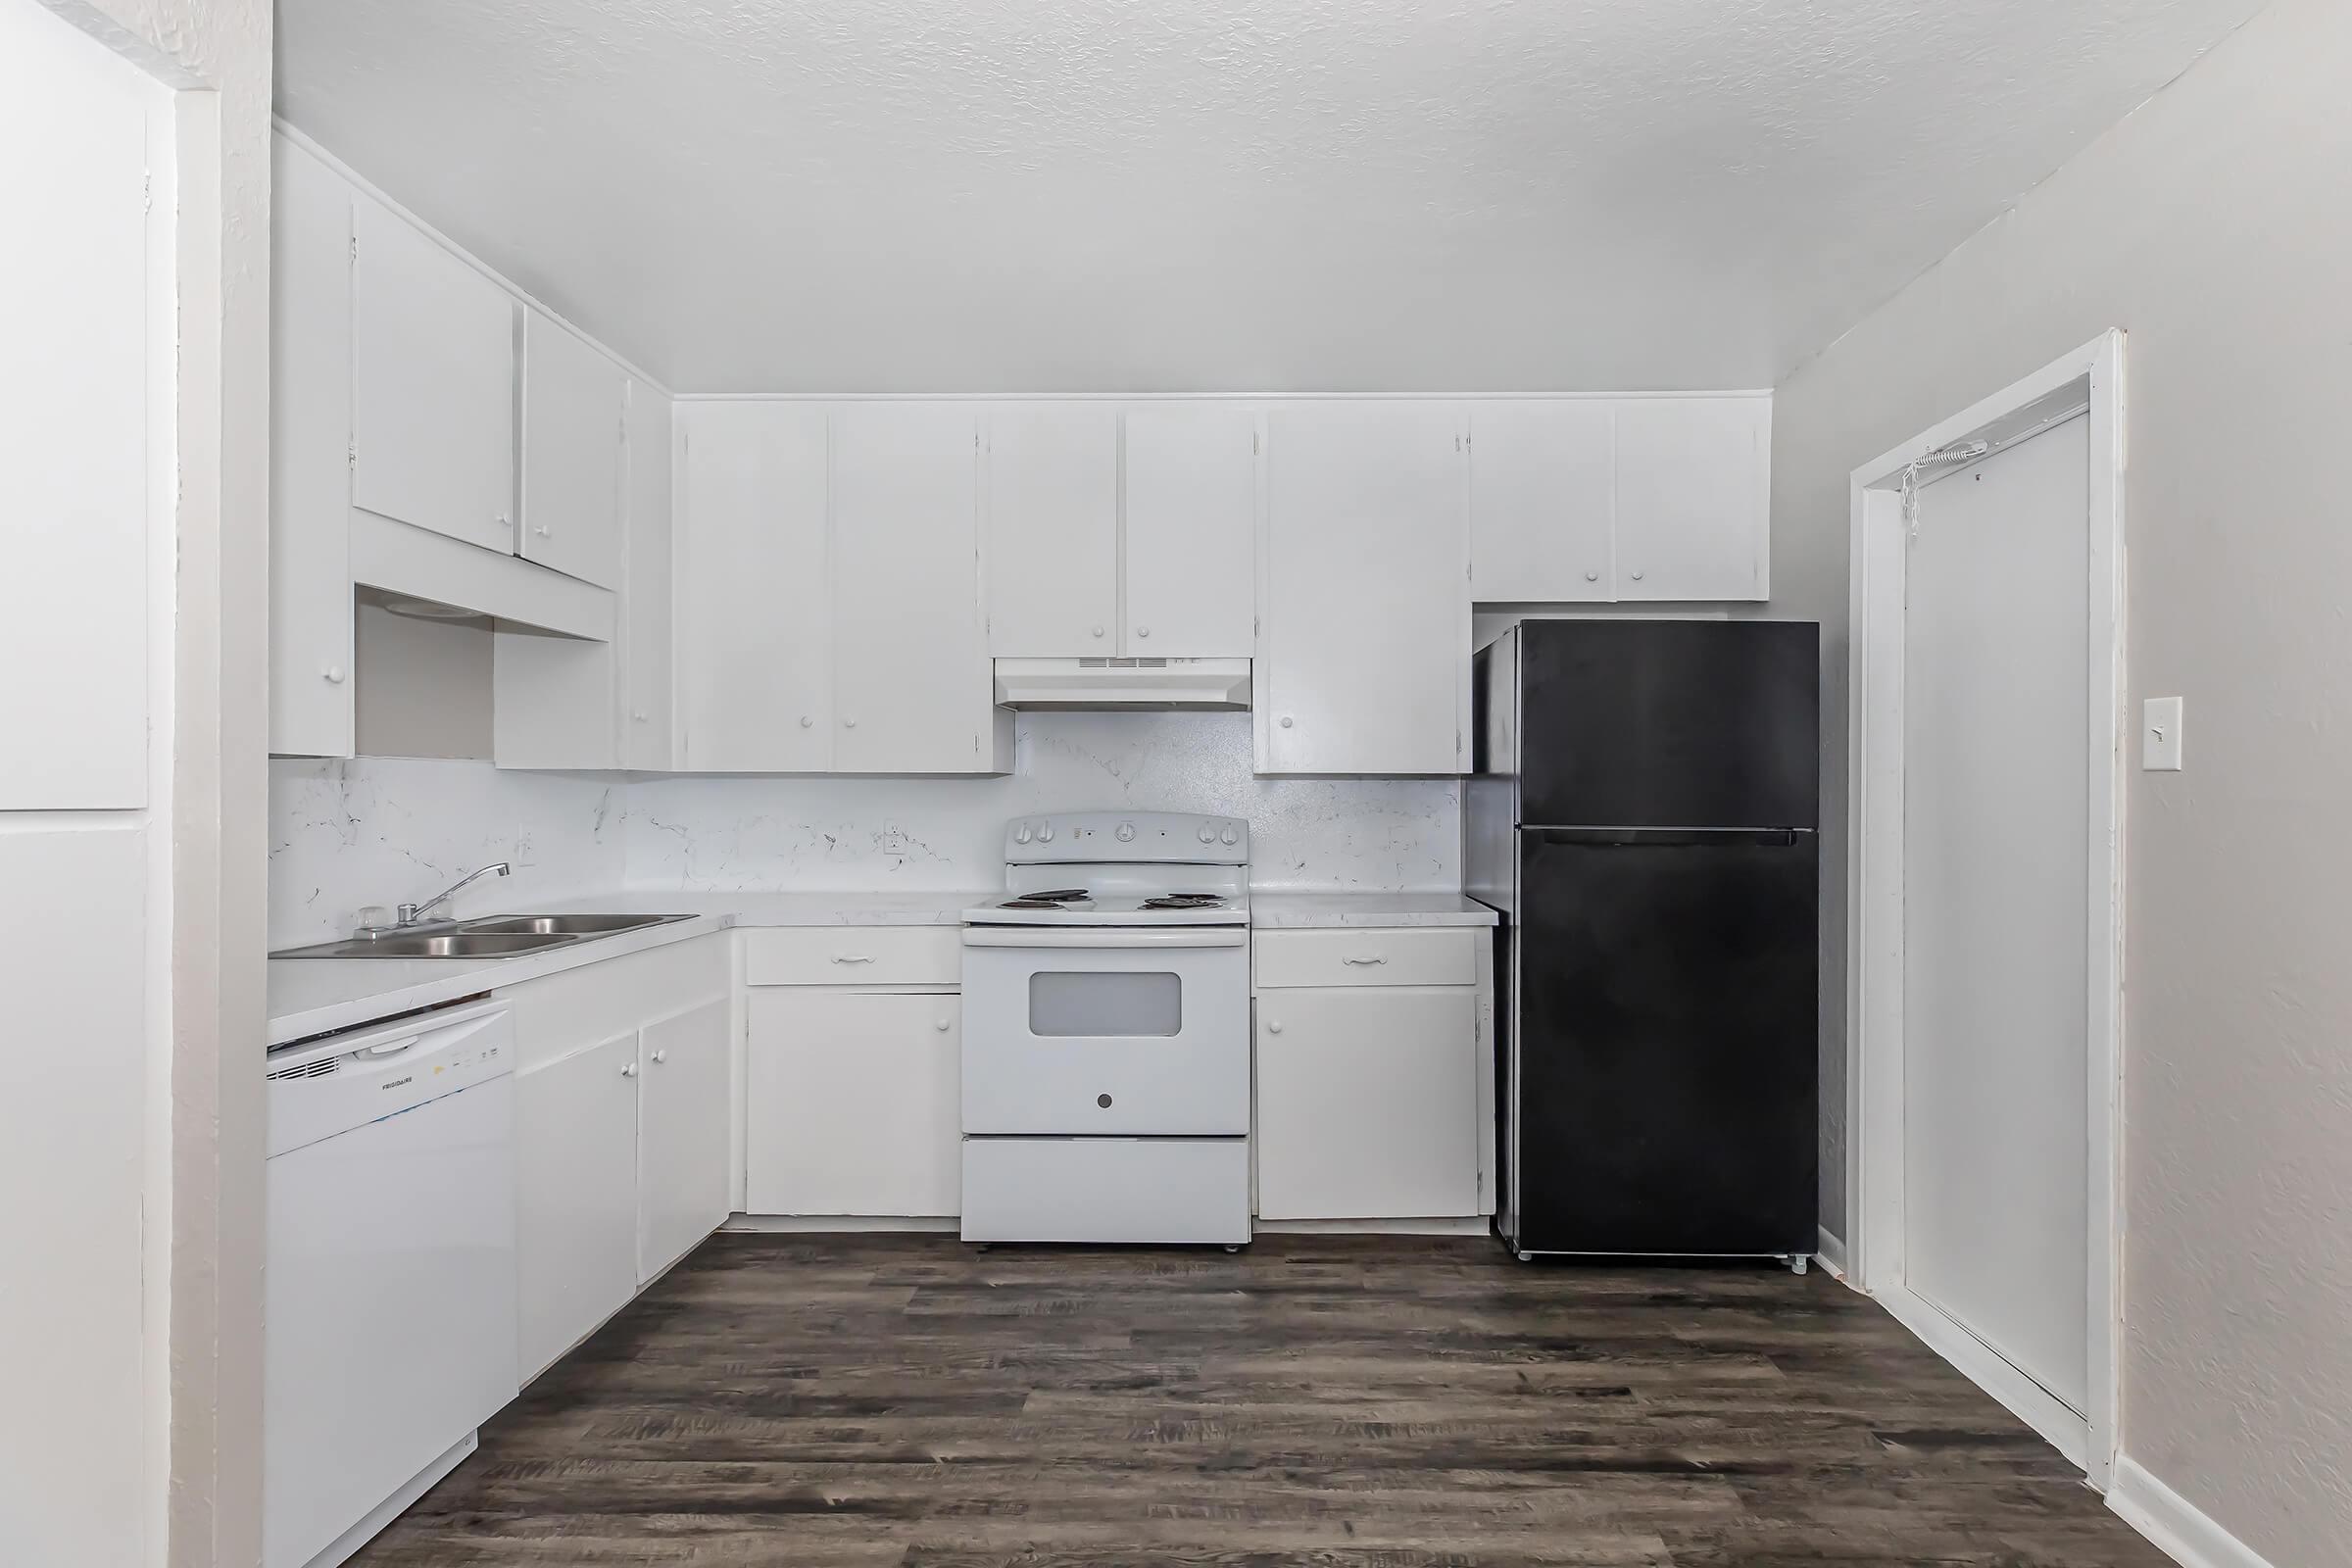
(1161, 683)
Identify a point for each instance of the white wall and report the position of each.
(2211, 225)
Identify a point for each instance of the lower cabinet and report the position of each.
(681, 1133)
(575, 1206)
(1371, 1097)
(854, 1102)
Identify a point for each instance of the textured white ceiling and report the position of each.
(1004, 195)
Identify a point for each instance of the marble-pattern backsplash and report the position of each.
(1371, 835)
(388, 829)
(379, 830)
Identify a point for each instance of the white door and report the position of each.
(311, 690)
(1693, 497)
(1367, 1102)
(432, 385)
(1365, 651)
(851, 1103)
(1192, 530)
(575, 1197)
(682, 1137)
(1995, 1073)
(754, 629)
(1542, 500)
(1053, 529)
(573, 401)
(645, 737)
(913, 688)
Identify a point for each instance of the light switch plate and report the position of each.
(2159, 735)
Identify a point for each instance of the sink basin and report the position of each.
(438, 945)
(568, 925)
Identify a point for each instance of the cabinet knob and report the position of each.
(629, 1070)
(849, 723)
(1272, 1027)
(1636, 576)
(1098, 631)
(939, 1024)
(660, 1056)
(1592, 576)
(505, 522)
(1103, 1100)
(1285, 722)
(1142, 631)
(639, 716)
(805, 721)
(542, 530)
(333, 674)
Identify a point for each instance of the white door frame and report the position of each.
(2089, 381)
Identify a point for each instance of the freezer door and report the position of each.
(1669, 723)
(1662, 1088)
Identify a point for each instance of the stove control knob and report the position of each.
(1126, 831)
(1208, 834)
(1021, 834)
(1045, 835)
(1230, 836)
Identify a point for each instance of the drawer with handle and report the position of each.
(1368, 956)
(852, 955)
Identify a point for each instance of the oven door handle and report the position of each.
(1068, 936)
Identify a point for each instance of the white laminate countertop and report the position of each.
(314, 995)
(1283, 911)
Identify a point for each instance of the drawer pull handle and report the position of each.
(1361, 962)
(852, 958)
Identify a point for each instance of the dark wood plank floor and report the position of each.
(1330, 1400)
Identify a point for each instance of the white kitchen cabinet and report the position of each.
(913, 688)
(1367, 1102)
(753, 640)
(682, 1176)
(1053, 504)
(574, 406)
(310, 627)
(853, 1104)
(1363, 662)
(646, 738)
(1191, 530)
(1693, 498)
(1544, 499)
(575, 1215)
(432, 385)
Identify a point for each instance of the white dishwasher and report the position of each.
(390, 1324)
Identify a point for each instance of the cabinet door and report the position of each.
(1365, 653)
(754, 643)
(1053, 529)
(1542, 501)
(855, 1104)
(1693, 497)
(572, 403)
(913, 688)
(432, 385)
(682, 1138)
(575, 1206)
(645, 610)
(1191, 527)
(311, 712)
(1367, 1103)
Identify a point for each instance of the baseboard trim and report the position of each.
(2037, 1407)
(2177, 1526)
(1477, 1225)
(1831, 1251)
(833, 1224)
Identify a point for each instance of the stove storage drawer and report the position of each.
(1441, 955)
(1135, 1190)
(852, 955)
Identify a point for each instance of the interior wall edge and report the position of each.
(2177, 1526)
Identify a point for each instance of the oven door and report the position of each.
(1083, 1030)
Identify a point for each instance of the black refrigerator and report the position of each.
(1642, 815)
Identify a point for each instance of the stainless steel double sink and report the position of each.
(508, 936)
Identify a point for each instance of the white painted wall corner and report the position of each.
(2174, 1523)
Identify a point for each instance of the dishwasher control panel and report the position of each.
(343, 1081)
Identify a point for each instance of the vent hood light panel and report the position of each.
(1146, 683)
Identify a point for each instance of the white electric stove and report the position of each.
(1106, 1033)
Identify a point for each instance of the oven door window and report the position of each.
(1098, 1006)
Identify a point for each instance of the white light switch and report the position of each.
(2159, 735)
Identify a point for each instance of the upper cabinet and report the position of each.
(1191, 528)
(1053, 529)
(432, 385)
(1693, 498)
(828, 594)
(647, 737)
(1363, 662)
(574, 403)
(1600, 499)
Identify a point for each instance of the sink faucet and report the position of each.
(411, 913)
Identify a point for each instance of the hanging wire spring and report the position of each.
(1942, 457)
